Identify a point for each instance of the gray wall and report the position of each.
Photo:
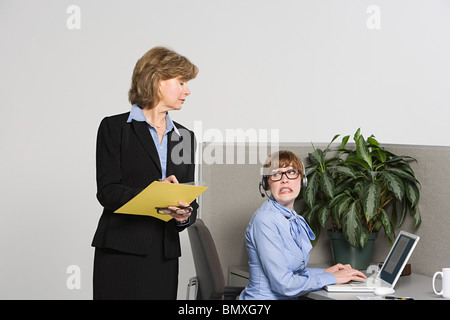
(233, 197)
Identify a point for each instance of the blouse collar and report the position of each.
(292, 216)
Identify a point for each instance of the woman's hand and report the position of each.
(181, 215)
(345, 273)
(338, 267)
(170, 179)
(184, 214)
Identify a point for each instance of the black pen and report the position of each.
(397, 298)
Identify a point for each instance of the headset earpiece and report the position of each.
(305, 178)
(264, 183)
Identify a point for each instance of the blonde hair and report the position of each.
(156, 65)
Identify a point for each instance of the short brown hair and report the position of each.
(282, 159)
(156, 65)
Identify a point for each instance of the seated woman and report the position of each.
(278, 240)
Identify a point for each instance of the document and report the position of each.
(161, 194)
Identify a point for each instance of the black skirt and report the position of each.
(124, 276)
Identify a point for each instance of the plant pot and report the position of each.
(343, 252)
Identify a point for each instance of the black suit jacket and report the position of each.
(127, 162)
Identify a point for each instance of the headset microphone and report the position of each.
(260, 186)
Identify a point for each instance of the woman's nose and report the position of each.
(284, 177)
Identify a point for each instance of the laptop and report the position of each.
(390, 271)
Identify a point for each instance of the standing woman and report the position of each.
(136, 257)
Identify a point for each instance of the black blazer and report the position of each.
(127, 162)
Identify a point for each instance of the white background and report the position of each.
(310, 69)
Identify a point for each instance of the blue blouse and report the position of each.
(278, 243)
(137, 114)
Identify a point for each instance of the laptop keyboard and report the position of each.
(358, 283)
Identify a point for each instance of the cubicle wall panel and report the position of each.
(233, 196)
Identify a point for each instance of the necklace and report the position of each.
(158, 126)
(148, 115)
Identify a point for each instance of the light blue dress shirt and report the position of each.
(137, 114)
(278, 245)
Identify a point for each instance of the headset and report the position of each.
(264, 184)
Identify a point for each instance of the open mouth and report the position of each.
(285, 190)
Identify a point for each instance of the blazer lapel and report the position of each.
(170, 144)
(173, 140)
(146, 140)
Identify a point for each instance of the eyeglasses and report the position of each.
(180, 210)
(291, 174)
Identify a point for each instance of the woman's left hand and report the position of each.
(338, 267)
(181, 218)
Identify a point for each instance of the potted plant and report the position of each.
(359, 190)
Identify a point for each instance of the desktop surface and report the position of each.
(415, 286)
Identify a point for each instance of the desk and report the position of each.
(416, 286)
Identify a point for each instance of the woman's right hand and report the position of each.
(170, 179)
(346, 275)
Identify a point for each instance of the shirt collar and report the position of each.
(137, 114)
(283, 210)
(292, 216)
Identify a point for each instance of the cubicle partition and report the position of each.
(232, 173)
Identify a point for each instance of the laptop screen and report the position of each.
(398, 255)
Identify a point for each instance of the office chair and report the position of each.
(211, 282)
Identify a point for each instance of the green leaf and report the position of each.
(404, 212)
(362, 151)
(357, 133)
(351, 225)
(370, 200)
(336, 200)
(412, 193)
(388, 229)
(327, 184)
(330, 161)
(320, 158)
(358, 162)
(323, 214)
(328, 146)
(311, 190)
(309, 170)
(344, 142)
(309, 216)
(394, 184)
(416, 215)
(372, 140)
(364, 237)
(343, 205)
(380, 154)
(332, 140)
(346, 171)
(315, 156)
(402, 174)
(341, 186)
(394, 215)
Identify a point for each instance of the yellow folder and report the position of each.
(161, 194)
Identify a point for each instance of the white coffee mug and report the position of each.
(445, 274)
